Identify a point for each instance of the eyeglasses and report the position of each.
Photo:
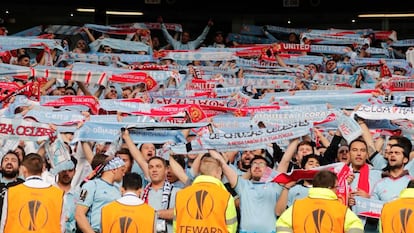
(113, 91)
(343, 151)
(254, 164)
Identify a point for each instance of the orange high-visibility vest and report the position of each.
(201, 207)
(318, 215)
(398, 216)
(34, 209)
(121, 218)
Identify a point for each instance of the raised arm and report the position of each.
(227, 170)
(136, 154)
(177, 169)
(87, 151)
(287, 156)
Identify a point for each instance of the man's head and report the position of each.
(10, 165)
(325, 179)
(398, 156)
(210, 166)
(132, 182)
(304, 148)
(358, 151)
(343, 154)
(147, 150)
(218, 37)
(157, 168)
(257, 167)
(310, 161)
(400, 140)
(23, 60)
(185, 37)
(106, 49)
(32, 164)
(65, 177)
(246, 157)
(111, 93)
(126, 156)
(114, 166)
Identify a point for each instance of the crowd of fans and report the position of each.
(104, 129)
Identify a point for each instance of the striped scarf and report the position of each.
(166, 191)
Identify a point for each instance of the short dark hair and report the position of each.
(33, 162)
(324, 179)
(132, 181)
(358, 140)
(20, 57)
(159, 158)
(71, 89)
(307, 157)
(99, 159)
(125, 151)
(404, 143)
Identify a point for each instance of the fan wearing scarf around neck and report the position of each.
(395, 175)
(363, 177)
(98, 190)
(160, 194)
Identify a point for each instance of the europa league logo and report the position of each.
(200, 205)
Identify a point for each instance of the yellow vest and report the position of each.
(120, 218)
(201, 207)
(398, 216)
(318, 215)
(34, 209)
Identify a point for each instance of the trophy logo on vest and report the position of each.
(200, 205)
(400, 221)
(124, 224)
(318, 221)
(33, 215)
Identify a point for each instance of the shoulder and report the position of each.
(90, 185)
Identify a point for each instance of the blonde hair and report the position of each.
(209, 165)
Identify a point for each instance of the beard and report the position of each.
(396, 166)
(245, 166)
(10, 174)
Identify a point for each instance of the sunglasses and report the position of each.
(343, 151)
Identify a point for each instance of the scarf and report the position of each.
(363, 182)
(166, 192)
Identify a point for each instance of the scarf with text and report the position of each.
(19, 129)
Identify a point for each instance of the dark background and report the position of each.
(227, 15)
